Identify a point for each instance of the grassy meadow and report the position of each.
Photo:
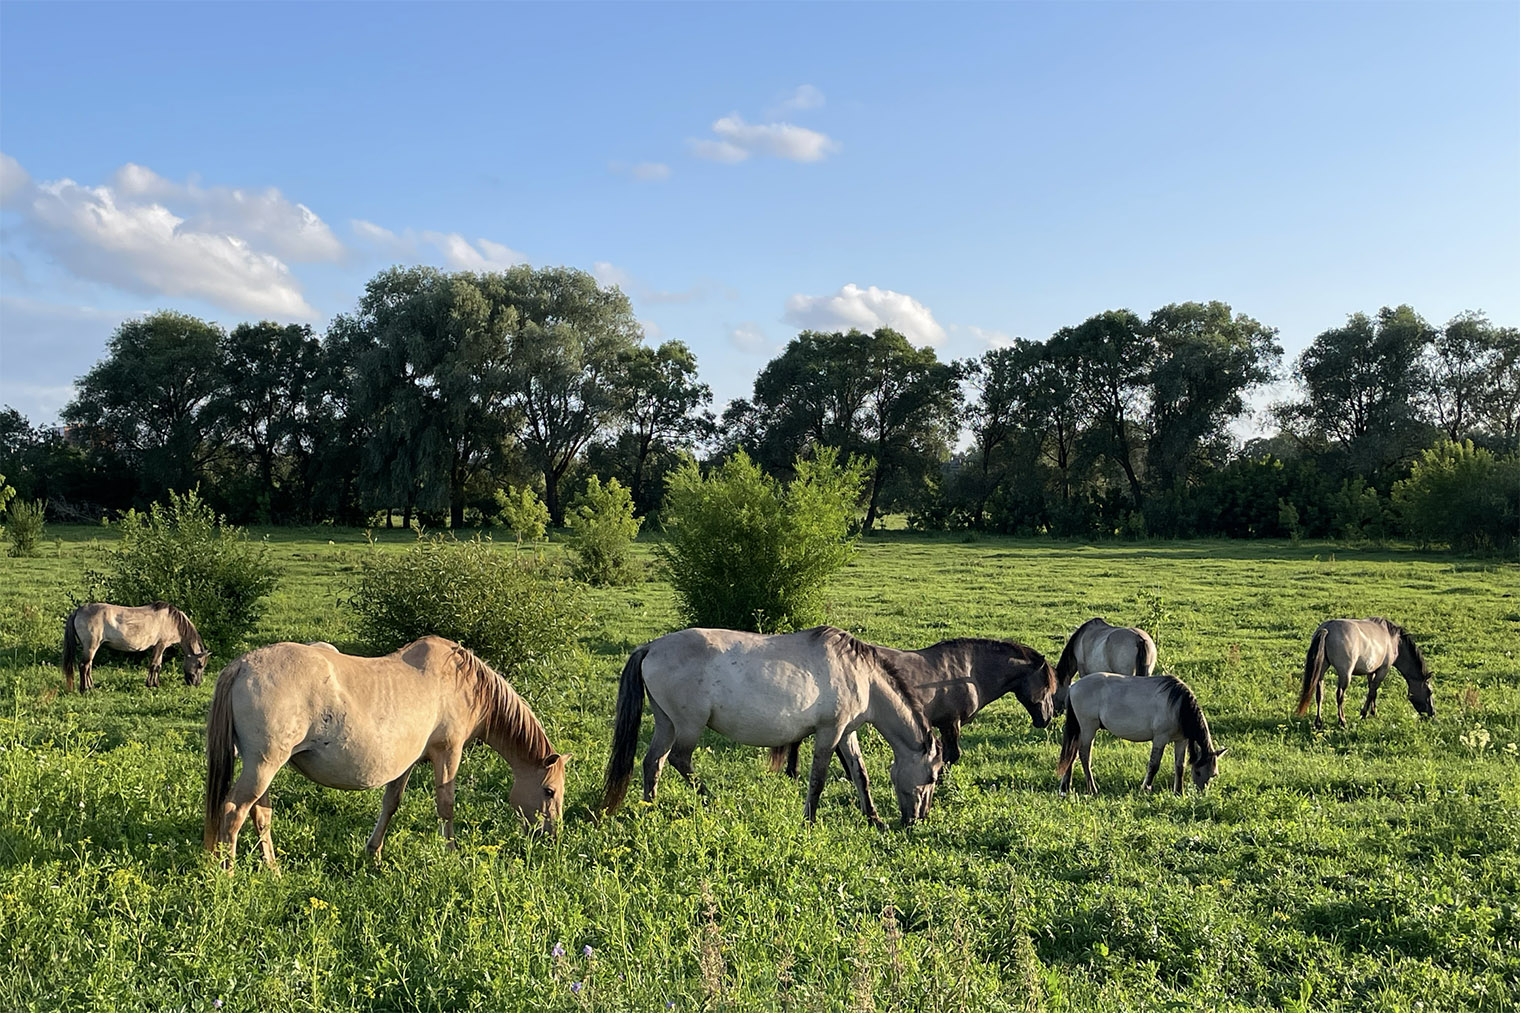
(1371, 868)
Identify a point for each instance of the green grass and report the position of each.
(1373, 868)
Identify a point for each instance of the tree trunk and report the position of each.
(551, 497)
(875, 496)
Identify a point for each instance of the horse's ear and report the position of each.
(1220, 752)
(554, 758)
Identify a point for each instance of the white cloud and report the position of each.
(15, 183)
(652, 330)
(737, 140)
(265, 218)
(748, 337)
(644, 172)
(459, 253)
(607, 273)
(866, 309)
(803, 97)
(991, 339)
(226, 248)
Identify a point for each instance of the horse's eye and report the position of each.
(548, 793)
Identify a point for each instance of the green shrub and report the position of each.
(604, 527)
(746, 553)
(469, 592)
(23, 525)
(1462, 495)
(521, 512)
(181, 552)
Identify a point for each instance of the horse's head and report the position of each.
(1422, 696)
(1205, 762)
(1046, 696)
(538, 792)
(195, 665)
(914, 774)
(1411, 664)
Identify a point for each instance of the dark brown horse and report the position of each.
(155, 627)
(957, 678)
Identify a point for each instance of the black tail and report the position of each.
(1147, 656)
(625, 731)
(1069, 740)
(70, 650)
(219, 752)
(1314, 669)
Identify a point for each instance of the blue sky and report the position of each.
(965, 173)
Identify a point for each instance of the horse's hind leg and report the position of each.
(1342, 682)
(1158, 752)
(659, 748)
(263, 814)
(1084, 753)
(87, 670)
(855, 767)
(250, 787)
(680, 758)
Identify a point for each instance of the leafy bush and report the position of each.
(521, 512)
(23, 526)
(604, 526)
(468, 592)
(746, 553)
(1462, 495)
(181, 552)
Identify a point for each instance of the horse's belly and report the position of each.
(353, 768)
(763, 726)
(1129, 726)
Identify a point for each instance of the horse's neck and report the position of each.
(892, 713)
(516, 735)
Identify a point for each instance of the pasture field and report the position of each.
(1371, 868)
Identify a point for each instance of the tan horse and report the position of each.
(356, 723)
(1099, 646)
(155, 627)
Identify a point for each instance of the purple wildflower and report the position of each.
(586, 950)
(575, 986)
(217, 1004)
(558, 951)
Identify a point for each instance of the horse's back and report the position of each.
(345, 721)
(1130, 706)
(764, 690)
(1358, 646)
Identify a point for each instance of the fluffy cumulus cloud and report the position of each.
(735, 140)
(748, 337)
(142, 233)
(866, 309)
(457, 252)
(990, 338)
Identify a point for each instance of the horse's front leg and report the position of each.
(1158, 752)
(1374, 683)
(445, 766)
(155, 665)
(388, 807)
(950, 740)
(855, 767)
(825, 741)
(1177, 763)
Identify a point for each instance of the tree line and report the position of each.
(439, 389)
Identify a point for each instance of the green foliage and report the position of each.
(469, 592)
(746, 553)
(604, 528)
(521, 512)
(1462, 495)
(181, 552)
(6, 493)
(24, 522)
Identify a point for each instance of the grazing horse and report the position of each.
(1097, 646)
(1363, 647)
(771, 691)
(356, 723)
(957, 678)
(1161, 709)
(158, 627)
